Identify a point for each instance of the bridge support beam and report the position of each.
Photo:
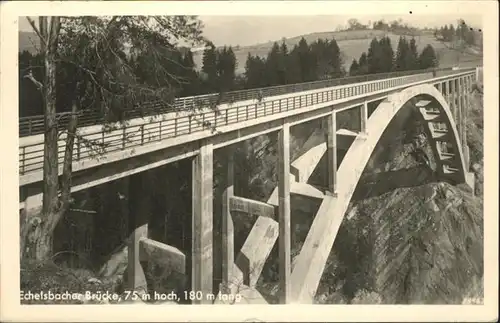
(332, 152)
(138, 223)
(364, 117)
(452, 101)
(448, 92)
(284, 214)
(202, 245)
(227, 224)
(463, 121)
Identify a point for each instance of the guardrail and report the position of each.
(125, 137)
(35, 124)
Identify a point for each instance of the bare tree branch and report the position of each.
(37, 31)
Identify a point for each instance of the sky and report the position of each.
(249, 30)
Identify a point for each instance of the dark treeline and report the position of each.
(460, 32)
(305, 62)
(396, 26)
(382, 59)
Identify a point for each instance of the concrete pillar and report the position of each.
(138, 204)
(227, 224)
(447, 92)
(458, 108)
(440, 87)
(465, 105)
(478, 70)
(202, 235)
(451, 100)
(284, 214)
(364, 116)
(463, 127)
(332, 152)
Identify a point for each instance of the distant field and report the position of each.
(353, 43)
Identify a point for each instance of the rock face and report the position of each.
(116, 264)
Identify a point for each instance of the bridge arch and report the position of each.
(358, 155)
(433, 108)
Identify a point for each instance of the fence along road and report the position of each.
(34, 125)
(142, 131)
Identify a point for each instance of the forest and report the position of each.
(382, 254)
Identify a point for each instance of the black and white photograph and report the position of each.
(240, 158)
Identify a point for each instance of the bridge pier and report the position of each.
(452, 99)
(228, 226)
(202, 234)
(138, 223)
(284, 214)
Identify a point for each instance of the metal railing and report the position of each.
(129, 136)
(34, 125)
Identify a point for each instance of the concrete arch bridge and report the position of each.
(442, 102)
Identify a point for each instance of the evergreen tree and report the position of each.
(354, 69)
(210, 67)
(336, 59)
(226, 69)
(283, 63)
(412, 56)
(306, 66)
(274, 66)
(374, 58)
(363, 64)
(401, 54)
(293, 68)
(451, 33)
(428, 58)
(387, 55)
(254, 71)
(191, 86)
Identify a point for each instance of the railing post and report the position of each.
(124, 134)
(226, 117)
(284, 214)
(77, 148)
(30, 129)
(202, 222)
(159, 130)
(142, 134)
(23, 168)
(190, 117)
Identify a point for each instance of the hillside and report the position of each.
(351, 43)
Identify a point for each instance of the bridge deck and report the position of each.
(124, 141)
